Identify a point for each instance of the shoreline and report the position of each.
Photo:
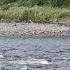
(33, 30)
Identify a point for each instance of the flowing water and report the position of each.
(35, 53)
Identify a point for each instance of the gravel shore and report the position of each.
(33, 30)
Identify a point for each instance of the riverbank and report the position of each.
(33, 30)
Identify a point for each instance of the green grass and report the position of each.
(36, 14)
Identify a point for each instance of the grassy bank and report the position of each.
(36, 14)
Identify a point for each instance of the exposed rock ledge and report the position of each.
(33, 29)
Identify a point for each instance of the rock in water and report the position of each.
(1, 56)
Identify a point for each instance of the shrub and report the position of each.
(57, 3)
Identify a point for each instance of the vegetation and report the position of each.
(54, 3)
(36, 14)
(35, 10)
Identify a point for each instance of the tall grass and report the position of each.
(36, 14)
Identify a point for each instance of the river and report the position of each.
(35, 53)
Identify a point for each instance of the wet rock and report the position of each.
(14, 24)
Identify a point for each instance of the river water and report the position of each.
(35, 53)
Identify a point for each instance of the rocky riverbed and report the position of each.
(33, 30)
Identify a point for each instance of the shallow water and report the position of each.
(35, 54)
